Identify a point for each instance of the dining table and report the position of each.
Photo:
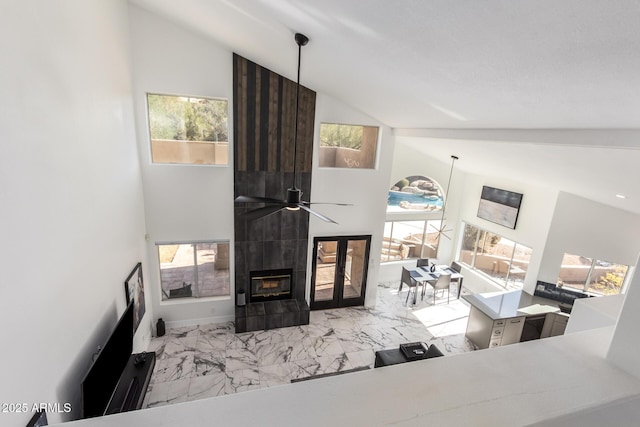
(424, 275)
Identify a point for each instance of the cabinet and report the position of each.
(485, 332)
(512, 330)
(559, 324)
(554, 325)
(132, 386)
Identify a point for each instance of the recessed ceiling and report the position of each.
(530, 66)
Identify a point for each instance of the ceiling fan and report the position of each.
(293, 200)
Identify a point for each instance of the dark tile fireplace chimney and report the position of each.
(264, 115)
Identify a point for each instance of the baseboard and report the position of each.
(201, 321)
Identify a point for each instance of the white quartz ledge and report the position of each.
(518, 384)
(592, 313)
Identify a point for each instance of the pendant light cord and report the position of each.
(295, 127)
(444, 205)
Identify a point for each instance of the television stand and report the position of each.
(132, 386)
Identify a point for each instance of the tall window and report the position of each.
(503, 260)
(409, 239)
(194, 270)
(591, 275)
(348, 146)
(189, 130)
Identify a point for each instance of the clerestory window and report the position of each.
(348, 146)
(188, 130)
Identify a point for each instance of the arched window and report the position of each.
(412, 238)
(415, 193)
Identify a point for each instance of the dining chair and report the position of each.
(456, 266)
(422, 262)
(443, 283)
(406, 279)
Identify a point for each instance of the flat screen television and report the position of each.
(102, 378)
(499, 206)
(39, 419)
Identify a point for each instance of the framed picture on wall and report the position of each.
(499, 206)
(134, 290)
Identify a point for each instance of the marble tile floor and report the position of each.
(211, 360)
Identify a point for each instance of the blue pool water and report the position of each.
(395, 198)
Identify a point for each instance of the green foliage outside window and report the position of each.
(187, 118)
(611, 282)
(486, 240)
(469, 238)
(335, 135)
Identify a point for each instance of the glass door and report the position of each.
(324, 271)
(339, 271)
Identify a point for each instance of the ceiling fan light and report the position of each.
(293, 200)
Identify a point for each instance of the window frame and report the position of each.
(426, 223)
(586, 287)
(503, 283)
(376, 148)
(195, 296)
(395, 190)
(229, 153)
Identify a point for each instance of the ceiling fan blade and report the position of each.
(319, 215)
(443, 234)
(251, 199)
(261, 212)
(325, 203)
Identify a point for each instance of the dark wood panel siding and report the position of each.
(264, 114)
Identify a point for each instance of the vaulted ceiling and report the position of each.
(520, 67)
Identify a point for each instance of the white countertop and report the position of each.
(511, 304)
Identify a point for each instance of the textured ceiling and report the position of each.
(523, 65)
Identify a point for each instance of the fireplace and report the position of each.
(270, 285)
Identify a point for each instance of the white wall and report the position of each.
(189, 203)
(623, 351)
(551, 222)
(409, 159)
(182, 202)
(71, 216)
(591, 229)
(366, 189)
(534, 218)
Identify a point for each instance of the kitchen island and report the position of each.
(498, 319)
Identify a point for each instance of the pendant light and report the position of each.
(442, 230)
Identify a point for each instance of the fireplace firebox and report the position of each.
(270, 285)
